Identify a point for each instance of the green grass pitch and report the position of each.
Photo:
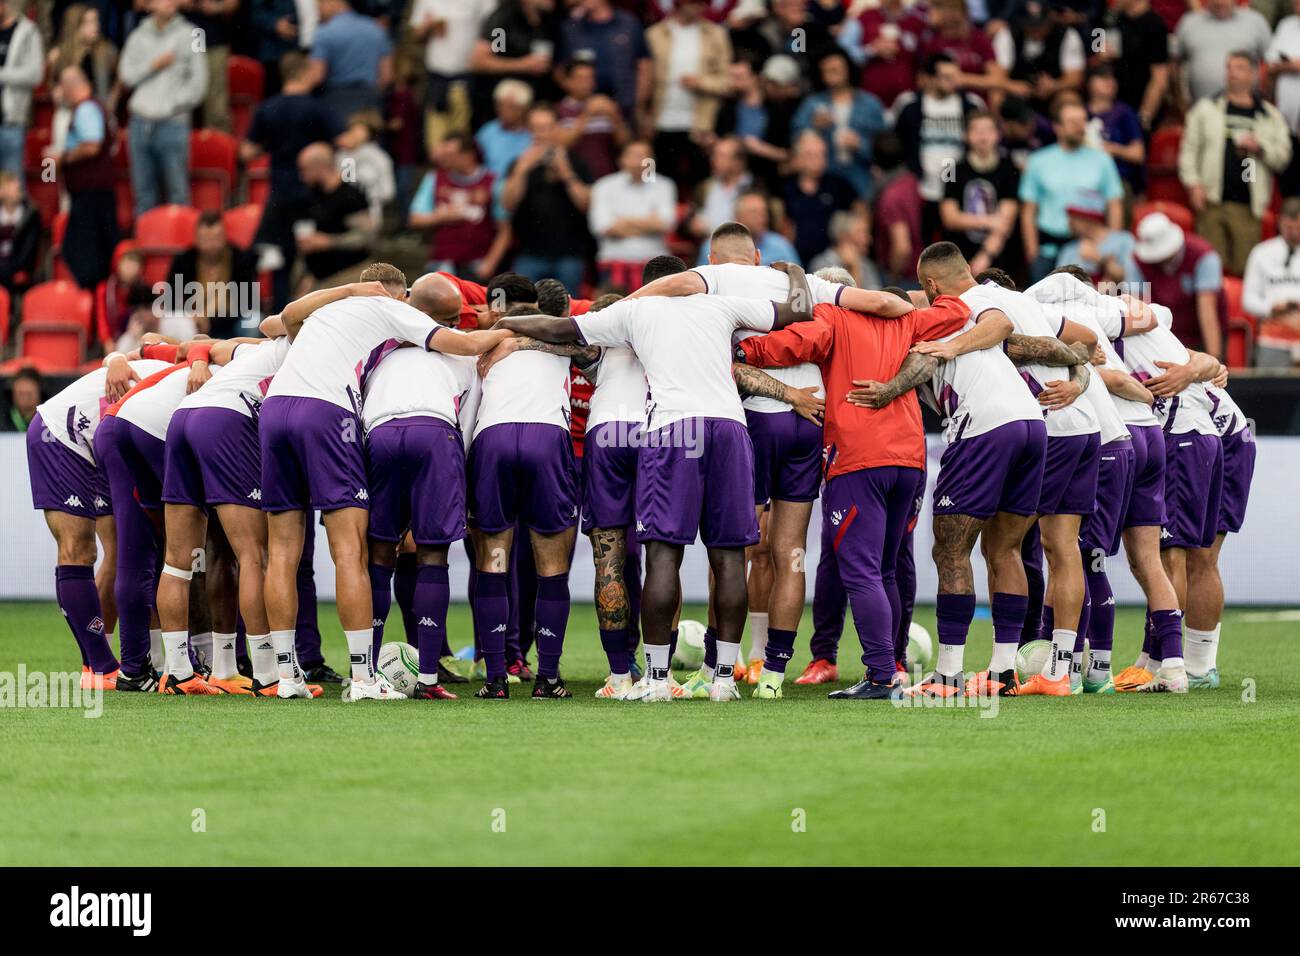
(1204, 779)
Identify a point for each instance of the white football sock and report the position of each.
(176, 653)
(429, 679)
(1143, 660)
(656, 658)
(1058, 665)
(156, 655)
(262, 653)
(222, 660)
(1172, 663)
(757, 635)
(1004, 657)
(728, 653)
(202, 644)
(1201, 649)
(361, 645)
(950, 659)
(286, 655)
(1098, 666)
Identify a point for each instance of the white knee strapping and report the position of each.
(178, 572)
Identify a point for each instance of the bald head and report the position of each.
(437, 297)
(943, 270)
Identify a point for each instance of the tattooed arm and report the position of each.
(753, 381)
(584, 356)
(1041, 350)
(1058, 394)
(917, 369)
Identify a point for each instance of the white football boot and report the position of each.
(289, 689)
(649, 691)
(1168, 680)
(614, 688)
(377, 689)
(724, 688)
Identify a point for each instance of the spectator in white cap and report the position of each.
(1185, 274)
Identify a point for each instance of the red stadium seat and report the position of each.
(257, 181)
(212, 169)
(1177, 212)
(1232, 287)
(246, 80)
(42, 108)
(58, 229)
(1240, 345)
(1163, 183)
(161, 233)
(56, 324)
(6, 309)
(1268, 224)
(241, 224)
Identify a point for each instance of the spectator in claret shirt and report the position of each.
(454, 202)
(891, 41)
(952, 32)
(591, 124)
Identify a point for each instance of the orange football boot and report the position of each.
(819, 672)
(193, 686)
(239, 685)
(939, 685)
(1131, 678)
(989, 684)
(755, 668)
(92, 681)
(1045, 686)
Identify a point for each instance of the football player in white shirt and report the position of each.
(1130, 482)
(70, 487)
(695, 465)
(990, 475)
(1204, 608)
(417, 407)
(788, 450)
(1069, 490)
(311, 437)
(212, 461)
(1193, 476)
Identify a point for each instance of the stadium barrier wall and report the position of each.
(1260, 566)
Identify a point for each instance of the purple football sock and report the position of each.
(710, 648)
(1101, 627)
(405, 572)
(131, 590)
(954, 613)
(432, 595)
(1168, 626)
(1150, 643)
(491, 617)
(381, 599)
(615, 644)
(74, 587)
(1031, 555)
(552, 617)
(1009, 612)
(780, 648)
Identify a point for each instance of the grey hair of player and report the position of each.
(837, 275)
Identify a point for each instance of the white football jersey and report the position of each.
(1028, 318)
(1080, 303)
(242, 383)
(684, 344)
(621, 389)
(1226, 414)
(410, 381)
(331, 352)
(527, 386)
(980, 391)
(764, 282)
(151, 408)
(1188, 411)
(73, 415)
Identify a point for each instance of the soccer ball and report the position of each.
(920, 647)
(690, 645)
(399, 662)
(1031, 658)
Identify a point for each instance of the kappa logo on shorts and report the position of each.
(499, 629)
(1165, 533)
(362, 495)
(255, 495)
(640, 527)
(99, 502)
(427, 622)
(72, 502)
(945, 502)
(376, 622)
(836, 517)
